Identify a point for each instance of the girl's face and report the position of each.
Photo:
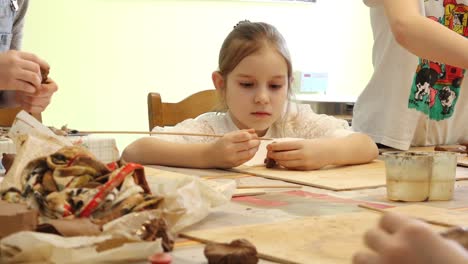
(257, 89)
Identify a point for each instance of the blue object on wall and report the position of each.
(314, 82)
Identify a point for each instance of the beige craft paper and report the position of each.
(47, 248)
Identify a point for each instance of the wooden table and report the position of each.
(279, 204)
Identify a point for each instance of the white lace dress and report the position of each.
(301, 122)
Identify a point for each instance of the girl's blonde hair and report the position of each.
(245, 39)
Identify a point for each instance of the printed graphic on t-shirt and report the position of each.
(436, 86)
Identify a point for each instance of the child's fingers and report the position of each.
(31, 66)
(47, 89)
(285, 146)
(246, 155)
(241, 136)
(377, 239)
(291, 164)
(284, 155)
(246, 145)
(24, 86)
(392, 222)
(34, 58)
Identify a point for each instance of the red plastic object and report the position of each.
(160, 258)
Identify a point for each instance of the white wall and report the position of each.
(106, 55)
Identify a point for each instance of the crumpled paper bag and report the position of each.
(33, 140)
(187, 200)
(191, 193)
(46, 248)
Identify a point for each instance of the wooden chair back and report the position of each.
(7, 116)
(169, 114)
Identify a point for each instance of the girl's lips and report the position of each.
(261, 114)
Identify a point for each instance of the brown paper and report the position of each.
(16, 217)
(70, 227)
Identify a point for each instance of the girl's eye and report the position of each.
(246, 84)
(276, 86)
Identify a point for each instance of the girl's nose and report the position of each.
(261, 96)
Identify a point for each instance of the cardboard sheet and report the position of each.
(329, 239)
(334, 178)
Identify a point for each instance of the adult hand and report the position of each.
(399, 239)
(37, 102)
(234, 148)
(21, 71)
(306, 154)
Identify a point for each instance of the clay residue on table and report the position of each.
(238, 251)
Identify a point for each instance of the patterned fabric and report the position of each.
(436, 86)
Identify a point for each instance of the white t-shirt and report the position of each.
(398, 107)
(301, 122)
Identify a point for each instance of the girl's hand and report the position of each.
(234, 148)
(307, 154)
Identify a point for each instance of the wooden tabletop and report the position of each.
(281, 201)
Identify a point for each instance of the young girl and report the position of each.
(254, 82)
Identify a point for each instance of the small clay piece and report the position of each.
(154, 229)
(45, 74)
(7, 161)
(270, 163)
(160, 258)
(238, 251)
(458, 234)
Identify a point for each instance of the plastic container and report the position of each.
(420, 176)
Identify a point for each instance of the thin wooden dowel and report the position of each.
(159, 133)
(433, 222)
(267, 186)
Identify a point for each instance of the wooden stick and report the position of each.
(422, 219)
(227, 176)
(267, 186)
(159, 133)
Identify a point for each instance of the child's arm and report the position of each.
(424, 37)
(231, 150)
(311, 154)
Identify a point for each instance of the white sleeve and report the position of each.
(308, 124)
(187, 126)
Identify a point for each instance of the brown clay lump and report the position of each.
(238, 251)
(270, 163)
(45, 74)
